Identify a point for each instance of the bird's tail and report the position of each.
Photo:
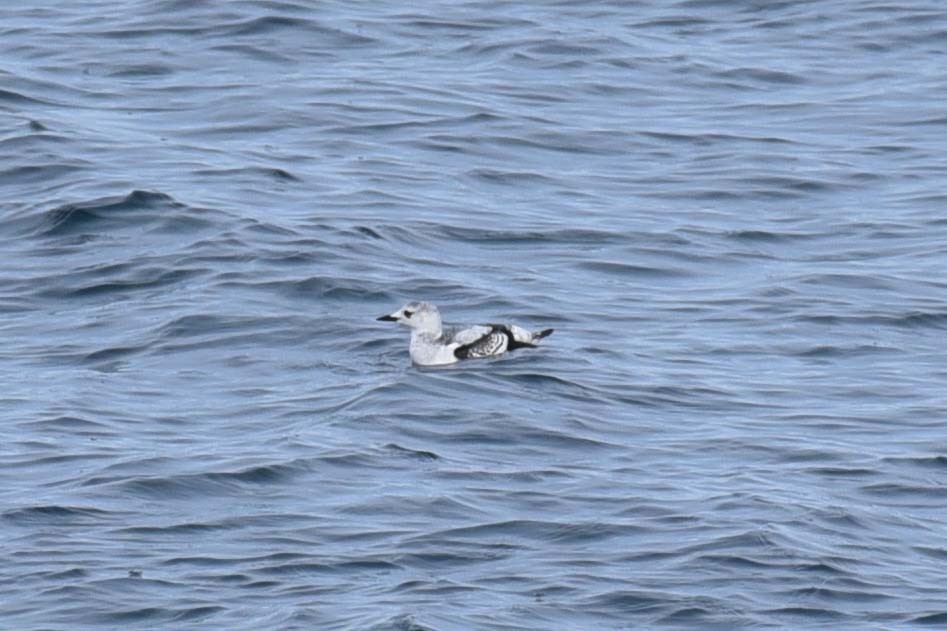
(541, 334)
(519, 337)
(524, 336)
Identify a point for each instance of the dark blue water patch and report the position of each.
(441, 559)
(750, 77)
(254, 173)
(71, 574)
(39, 173)
(155, 279)
(70, 424)
(734, 561)
(205, 561)
(148, 70)
(307, 568)
(896, 492)
(831, 595)
(157, 615)
(934, 121)
(56, 515)
(318, 288)
(857, 350)
(811, 454)
(257, 53)
(112, 357)
(578, 53)
(110, 214)
(412, 453)
(562, 236)
(401, 506)
(127, 32)
(682, 24)
(213, 325)
(530, 530)
(931, 462)
(10, 98)
(171, 530)
(934, 553)
(353, 461)
(559, 143)
(405, 622)
(262, 474)
(841, 472)
(195, 485)
(708, 617)
(810, 614)
(26, 144)
(290, 259)
(368, 232)
(853, 281)
(640, 602)
(235, 335)
(265, 25)
(631, 271)
(509, 178)
(232, 579)
(910, 320)
(459, 23)
(391, 129)
(64, 464)
(771, 236)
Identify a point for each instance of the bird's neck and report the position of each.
(429, 332)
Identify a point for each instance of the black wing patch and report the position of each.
(491, 343)
(497, 340)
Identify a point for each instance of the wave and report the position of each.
(110, 214)
(211, 483)
(908, 320)
(54, 514)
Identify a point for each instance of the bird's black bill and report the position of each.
(387, 318)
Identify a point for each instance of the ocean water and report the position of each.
(734, 214)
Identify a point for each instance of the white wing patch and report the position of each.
(468, 335)
(520, 334)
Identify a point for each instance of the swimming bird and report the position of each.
(433, 345)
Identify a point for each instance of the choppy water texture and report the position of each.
(733, 214)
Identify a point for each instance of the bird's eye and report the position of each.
(408, 314)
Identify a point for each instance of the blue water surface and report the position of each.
(734, 214)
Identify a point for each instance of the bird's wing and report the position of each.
(520, 334)
(493, 342)
(467, 335)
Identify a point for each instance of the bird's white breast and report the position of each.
(426, 350)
